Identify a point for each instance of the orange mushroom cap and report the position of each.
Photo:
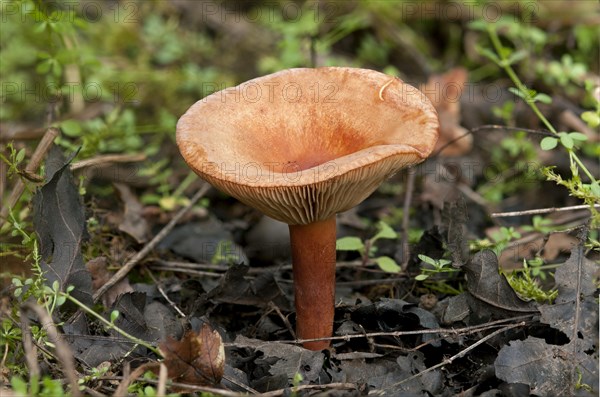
(303, 144)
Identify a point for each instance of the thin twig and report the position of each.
(151, 244)
(162, 380)
(443, 331)
(542, 132)
(283, 318)
(34, 163)
(63, 350)
(458, 355)
(229, 393)
(108, 158)
(30, 349)
(543, 210)
(164, 295)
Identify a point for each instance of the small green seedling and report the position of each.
(439, 266)
(368, 250)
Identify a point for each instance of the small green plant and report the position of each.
(47, 387)
(514, 168)
(499, 240)
(525, 282)
(539, 224)
(298, 378)
(437, 266)
(505, 57)
(142, 389)
(368, 250)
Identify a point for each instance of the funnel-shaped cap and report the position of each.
(303, 144)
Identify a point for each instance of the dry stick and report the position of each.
(151, 244)
(162, 380)
(229, 393)
(108, 158)
(444, 331)
(543, 210)
(30, 350)
(62, 349)
(410, 186)
(458, 355)
(36, 159)
(164, 295)
(574, 338)
(283, 318)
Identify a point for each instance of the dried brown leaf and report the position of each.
(444, 91)
(198, 358)
(133, 222)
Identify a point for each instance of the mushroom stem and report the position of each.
(313, 258)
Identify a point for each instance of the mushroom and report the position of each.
(301, 145)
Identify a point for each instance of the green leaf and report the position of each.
(19, 386)
(478, 24)
(518, 93)
(387, 264)
(20, 155)
(349, 244)
(489, 54)
(422, 277)
(591, 118)
(566, 140)
(543, 98)
(114, 315)
(427, 259)
(516, 57)
(548, 143)
(71, 128)
(578, 136)
(595, 187)
(385, 231)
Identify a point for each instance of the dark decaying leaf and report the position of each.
(396, 315)
(575, 282)
(387, 374)
(133, 223)
(487, 285)
(454, 308)
(131, 307)
(236, 289)
(59, 222)
(549, 370)
(454, 227)
(198, 358)
(204, 241)
(98, 268)
(150, 322)
(276, 364)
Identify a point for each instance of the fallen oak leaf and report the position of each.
(197, 359)
(486, 284)
(59, 221)
(133, 223)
